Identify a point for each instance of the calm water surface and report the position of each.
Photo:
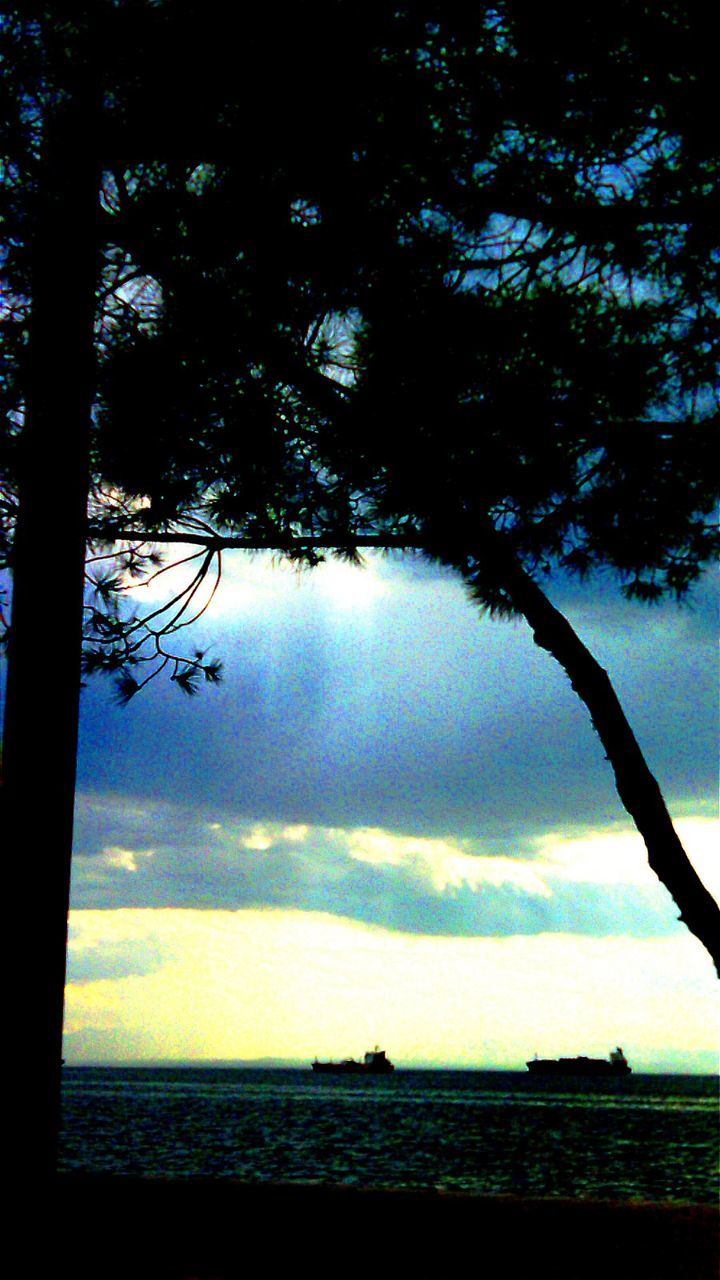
(648, 1137)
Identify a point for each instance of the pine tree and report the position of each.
(430, 275)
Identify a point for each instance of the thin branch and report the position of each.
(143, 622)
(132, 586)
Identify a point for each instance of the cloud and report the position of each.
(594, 883)
(393, 821)
(390, 756)
(407, 710)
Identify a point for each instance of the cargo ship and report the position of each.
(375, 1063)
(616, 1064)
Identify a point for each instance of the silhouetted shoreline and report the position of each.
(215, 1229)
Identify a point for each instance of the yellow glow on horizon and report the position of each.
(291, 984)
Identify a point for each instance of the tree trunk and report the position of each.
(42, 707)
(636, 785)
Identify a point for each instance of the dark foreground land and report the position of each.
(215, 1229)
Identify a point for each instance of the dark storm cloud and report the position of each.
(415, 714)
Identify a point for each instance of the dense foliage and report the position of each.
(438, 269)
(435, 274)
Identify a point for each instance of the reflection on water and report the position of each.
(648, 1137)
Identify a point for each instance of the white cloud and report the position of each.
(125, 859)
(259, 838)
(445, 865)
(590, 882)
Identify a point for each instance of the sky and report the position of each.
(392, 824)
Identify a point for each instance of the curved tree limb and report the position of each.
(636, 786)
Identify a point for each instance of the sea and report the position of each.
(648, 1137)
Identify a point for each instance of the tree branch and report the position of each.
(636, 785)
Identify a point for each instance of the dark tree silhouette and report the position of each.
(152, 327)
(536, 380)
(429, 275)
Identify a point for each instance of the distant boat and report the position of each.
(614, 1065)
(375, 1063)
